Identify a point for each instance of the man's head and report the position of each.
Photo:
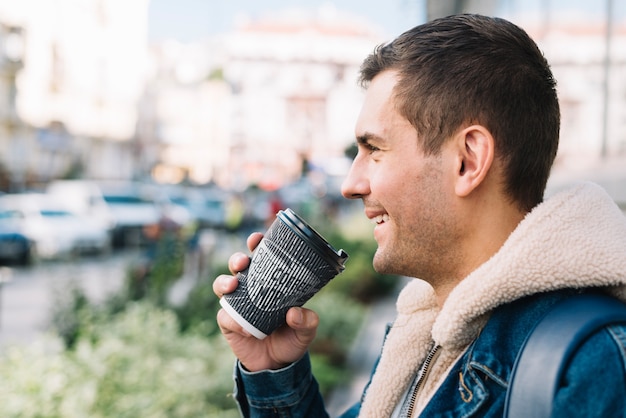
(471, 69)
(456, 137)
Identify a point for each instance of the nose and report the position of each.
(356, 184)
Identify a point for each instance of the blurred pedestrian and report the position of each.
(275, 204)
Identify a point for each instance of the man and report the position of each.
(457, 135)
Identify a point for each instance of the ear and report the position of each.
(476, 148)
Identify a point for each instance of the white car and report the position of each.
(84, 198)
(55, 231)
(138, 206)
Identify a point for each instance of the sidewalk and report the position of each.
(364, 353)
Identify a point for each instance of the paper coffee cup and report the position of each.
(290, 265)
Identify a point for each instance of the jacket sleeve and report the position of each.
(595, 381)
(291, 391)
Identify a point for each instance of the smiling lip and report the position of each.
(377, 217)
(380, 219)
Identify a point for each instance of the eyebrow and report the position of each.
(367, 137)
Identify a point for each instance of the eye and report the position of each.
(368, 144)
(371, 148)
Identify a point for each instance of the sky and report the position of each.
(187, 20)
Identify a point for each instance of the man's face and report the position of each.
(405, 193)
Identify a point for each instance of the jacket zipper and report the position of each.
(420, 379)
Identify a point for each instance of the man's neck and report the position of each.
(486, 238)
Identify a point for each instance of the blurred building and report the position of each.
(82, 94)
(586, 47)
(185, 114)
(280, 91)
(591, 77)
(441, 8)
(296, 96)
(13, 165)
(254, 105)
(82, 70)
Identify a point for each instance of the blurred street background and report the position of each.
(142, 141)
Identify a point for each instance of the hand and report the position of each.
(279, 349)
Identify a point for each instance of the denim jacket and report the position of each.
(595, 383)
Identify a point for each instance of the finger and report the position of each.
(253, 240)
(238, 262)
(228, 325)
(224, 284)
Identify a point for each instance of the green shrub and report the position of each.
(201, 306)
(359, 280)
(137, 356)
(340, 321)
(137, 365)
(66, 311)
(328, 375)
(159, 268)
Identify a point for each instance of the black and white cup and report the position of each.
(290, 265)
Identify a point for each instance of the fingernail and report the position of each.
(299, 318)
(241, 258)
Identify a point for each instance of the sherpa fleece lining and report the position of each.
(576, 239)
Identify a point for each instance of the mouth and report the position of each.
(380, 219)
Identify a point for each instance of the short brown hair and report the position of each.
(477, 69)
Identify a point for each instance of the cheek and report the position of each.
(387, 180)
(399, 196)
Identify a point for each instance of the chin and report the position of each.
(385, 263)
(381, 263)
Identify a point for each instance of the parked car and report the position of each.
(15, 247)
(206, 207)
(53, 230)
(84, 198)
(138, 208)
(132, 214)
(210, 211)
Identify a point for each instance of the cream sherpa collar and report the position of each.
(575, 239)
